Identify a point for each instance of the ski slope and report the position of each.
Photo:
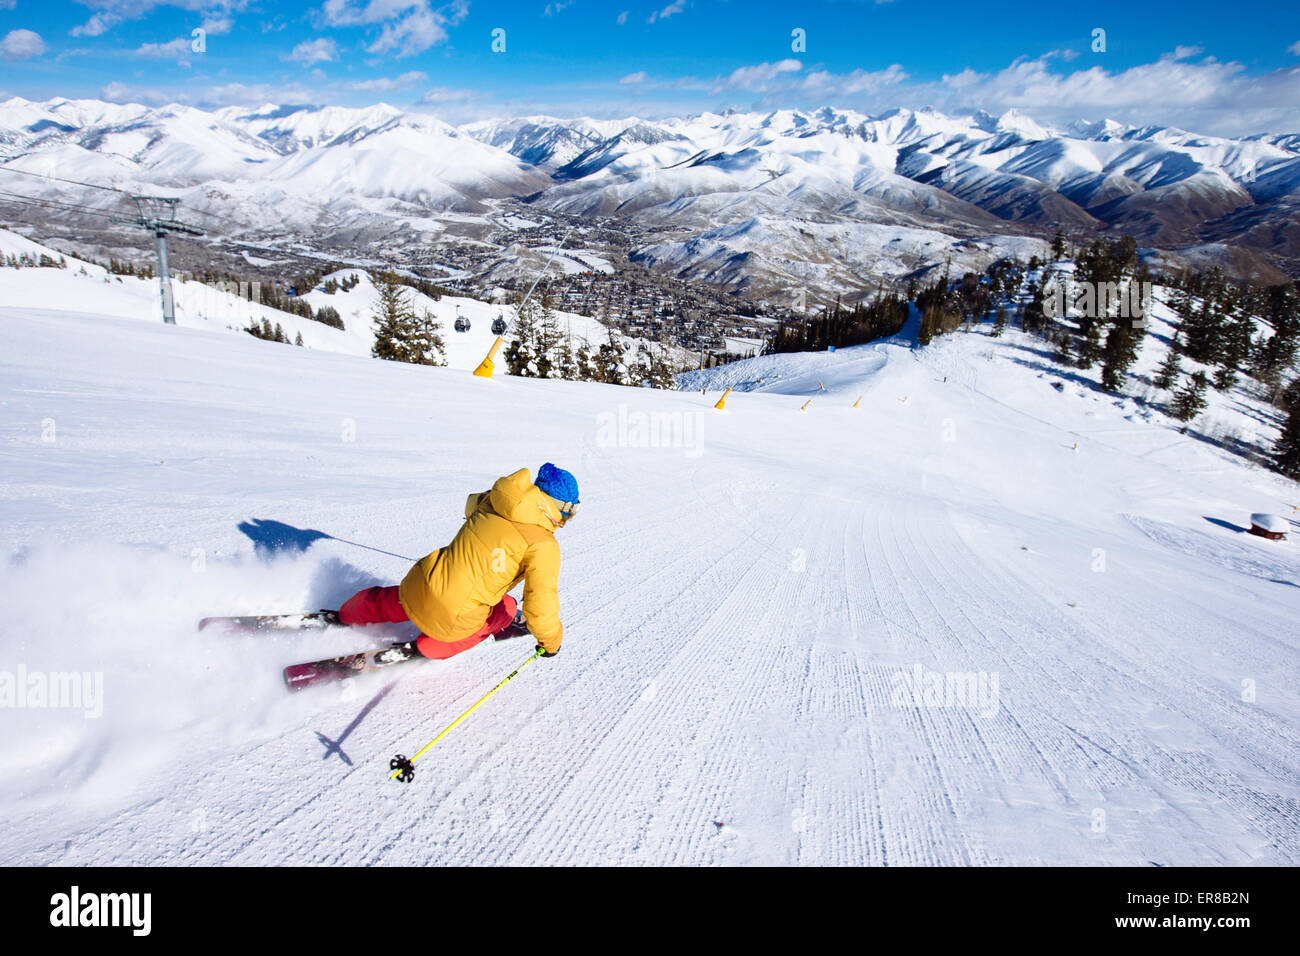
(755, 602)
(202, 306)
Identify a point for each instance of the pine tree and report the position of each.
(395, 320)
(1062, 340)
(1123, 342)
(1000, 325)
(931, 320)
(1286, 451)
(424, 343)
(1170, 368)
(1058, 245)
(1090, 343)
(298, 340)
(531, 352)
(662, 374)
(548, 340)
(401, 335)
(1189, 401)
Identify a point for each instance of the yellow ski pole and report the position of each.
(404, 769)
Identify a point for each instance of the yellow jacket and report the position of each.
(507, 537)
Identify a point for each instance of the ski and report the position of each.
(300, 621)
(311, 673)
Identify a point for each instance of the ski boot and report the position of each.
(516, 628)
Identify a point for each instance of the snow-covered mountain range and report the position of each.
(757, 201)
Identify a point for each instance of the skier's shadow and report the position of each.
(336, 746)
(272, 538)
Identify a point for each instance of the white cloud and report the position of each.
(387, 84)
(179, 47)
(97, 24)
(1182, 88)
(1205, 96)
(309, 52)
(8, 4)
(21, 45)
(1294, 48)
(622, 19)
(760, 77)
(117, 92)
(408, 26)
(637, 77)
(238, 94)
(857, 82)
(217, 26)
(454, 105)
(677, 6)
(445, 94)
(109, 13)
(552, 9)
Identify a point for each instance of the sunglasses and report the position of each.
(568, 509)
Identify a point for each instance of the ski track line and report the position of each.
(256, 822)
(1146, 683)
(683, 671)
(446, 831)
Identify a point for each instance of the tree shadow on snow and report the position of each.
(273, 538)
(1226, 524)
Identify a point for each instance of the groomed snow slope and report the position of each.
(745, 611)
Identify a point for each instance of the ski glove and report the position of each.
(545, 652)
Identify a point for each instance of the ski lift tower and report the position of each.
(158, 214)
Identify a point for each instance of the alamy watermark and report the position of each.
(55, 690)
(75, 908)
(964, 690)
(1129, 300)
(680, 430)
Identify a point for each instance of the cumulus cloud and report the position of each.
(98, 23)
(445, 94)
(117, 92)
(1182, 88)
(21, 45)
(758, 78)
(407, 27)
(310, 52)
(854, 83)
(674, 8)
(109, 13)
(179, 47)
(229, 94)
(256, 94)
(387, 84)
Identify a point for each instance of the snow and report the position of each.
(201, 306)
(925, 630)
(1269, 522)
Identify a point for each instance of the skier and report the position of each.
(457, 595)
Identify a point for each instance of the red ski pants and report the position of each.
(380, 605)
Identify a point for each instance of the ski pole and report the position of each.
(403, 768)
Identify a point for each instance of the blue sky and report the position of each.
(1218, 67)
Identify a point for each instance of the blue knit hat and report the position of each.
(557, 483)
